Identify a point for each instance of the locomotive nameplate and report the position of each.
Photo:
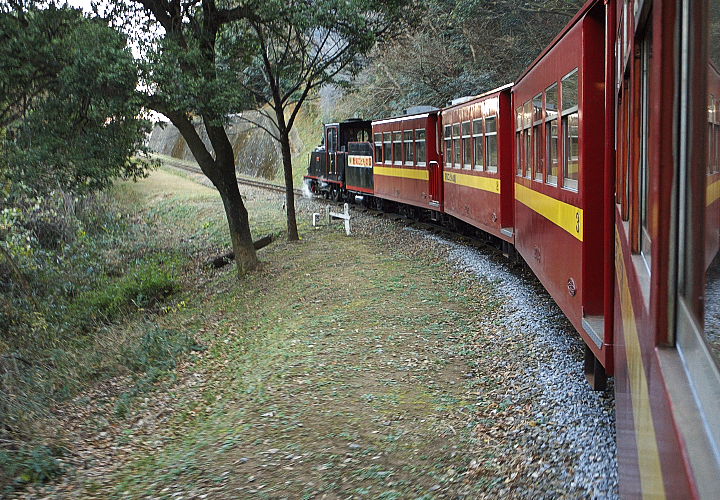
(360, 161)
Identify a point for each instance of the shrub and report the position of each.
(141, 288)
(28, 464)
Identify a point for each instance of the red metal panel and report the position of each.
(403, 183)
(469, 194)
(506, 135)
(646, 428)
(553, 254)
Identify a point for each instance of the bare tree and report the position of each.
(303, 45)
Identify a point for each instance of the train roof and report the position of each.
(402, 118)
(350, 121)
(479, 97)
(581, 13)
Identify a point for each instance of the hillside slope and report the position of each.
(257, 154)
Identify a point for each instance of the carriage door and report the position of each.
(435, 182)
(434, 168)
(331, 139)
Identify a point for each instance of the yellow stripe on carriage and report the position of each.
(407, 173)
(564, 215)
(651, 478)
(474, 181)
(713, 193)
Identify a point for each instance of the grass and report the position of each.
(337, 368)
(306, 358)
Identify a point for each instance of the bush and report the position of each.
(28, 464)
(141, 288)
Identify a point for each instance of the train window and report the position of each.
(387, 147)
(537, 137)
(571, 139)
(527, 133)
(570, 91)
(457, 152)
(477, 129)
(409, 147)
(698, 311)
(420, 146)
(551, 133)
(519, 141)
(378, 147)
(448, 146)
(570, 130)
(397, 147)
(491, 147)
(466, 145)
(332, 139)
(644, 184)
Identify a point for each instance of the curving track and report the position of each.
(241, 180)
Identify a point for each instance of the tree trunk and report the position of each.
(238, 222)
(221, 172)
(292, 230)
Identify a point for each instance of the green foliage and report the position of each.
(141, 287)
(153, 357)
(68, 107)
(461, 47)
(28, 464)
(77, 263)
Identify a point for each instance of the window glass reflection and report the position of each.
(711, 206)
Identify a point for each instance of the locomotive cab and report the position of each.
(328, 163)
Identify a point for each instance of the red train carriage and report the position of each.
(560, 179)
(407, 164)
(667, 292)
(477, 146)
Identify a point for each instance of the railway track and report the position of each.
(437, 229)
(271, 186)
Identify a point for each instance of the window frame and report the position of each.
(519, 143)
(456, 143)
(568, 183)
(422, 141)
(387, 144)
(411, 149)
(644, 238)
(378, 146)
(447, 141)
(397, 139)
(528, 139)
(537, 140)
(478, 137)
(466, 144)
(550, 120)
(491, 136)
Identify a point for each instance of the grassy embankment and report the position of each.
(312, 375)
(133, 254)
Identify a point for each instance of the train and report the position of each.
(600, 166)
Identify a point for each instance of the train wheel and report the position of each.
(335, 194)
